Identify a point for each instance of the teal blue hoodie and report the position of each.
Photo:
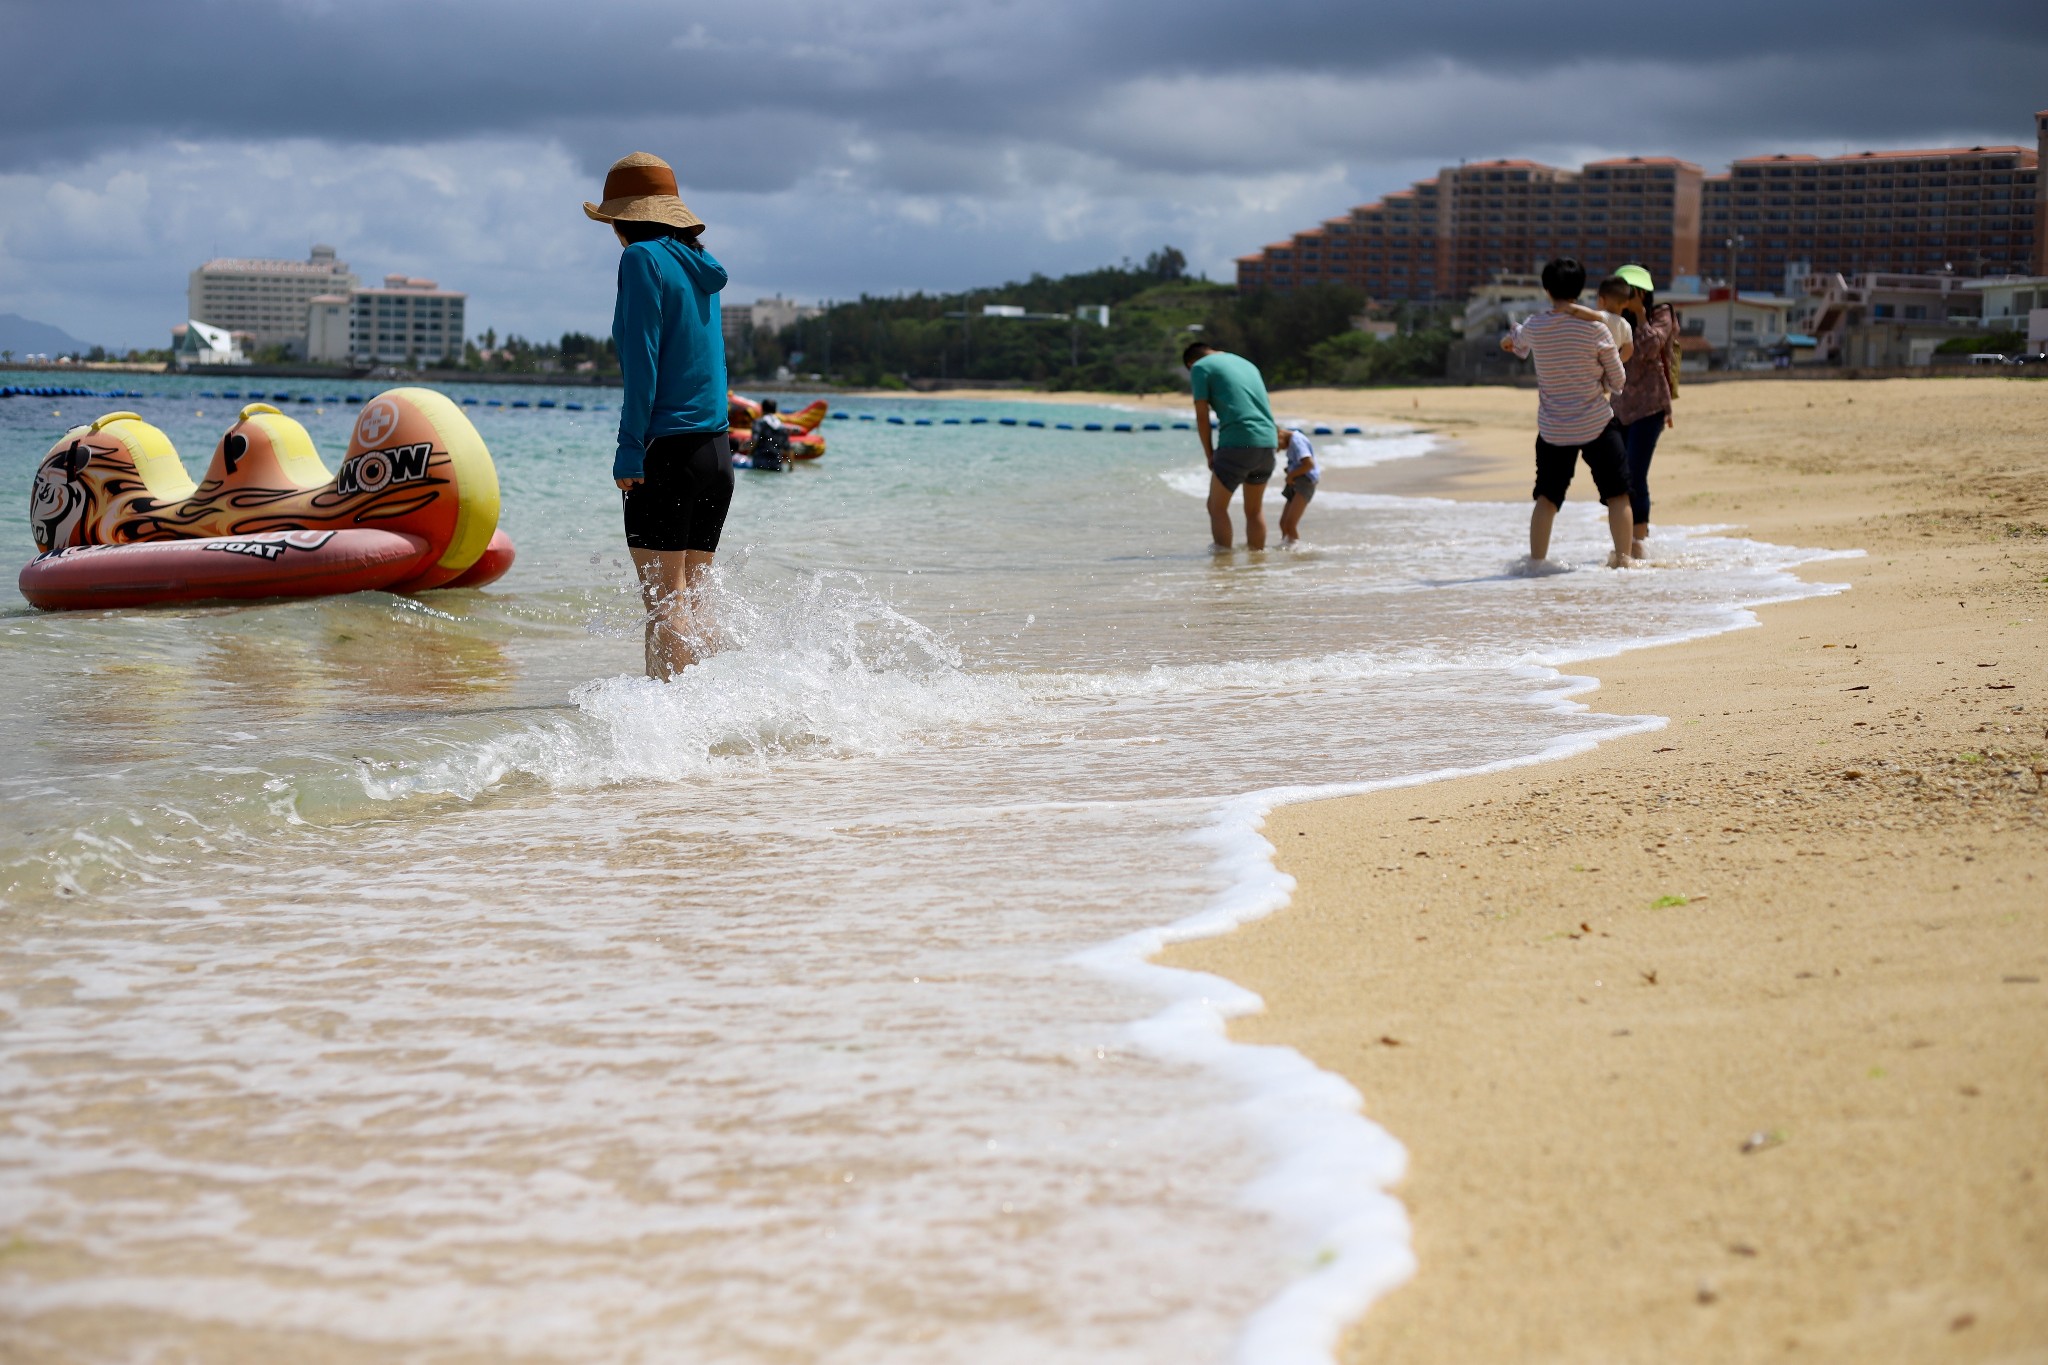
(671, 347)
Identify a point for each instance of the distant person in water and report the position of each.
(674, 460)
(1300, 487)
(769, 447)
(1577, 367)
(1240, 452)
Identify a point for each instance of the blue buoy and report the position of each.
(867, 417)
(521, 403)
(1063, 426)
(308, 399)
(841, 416)
(1183, 426)
(977, 421)
(922, 422)
(1354, 431)
(1006, 421)
(572, 407)
(469, 402)
(951, 422)
(597, 407)
(896, 421)
(1034, 422)
(1091, 426)
(1121, 426)
(230, 393)
(494, 402)
(545, 403)
(353, 398)
(280, 398)
(1153, 426)
(1324, 431)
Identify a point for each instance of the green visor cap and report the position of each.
(1638, 277)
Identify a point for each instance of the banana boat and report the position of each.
(119, 522)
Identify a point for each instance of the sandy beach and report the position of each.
(1726, 1041)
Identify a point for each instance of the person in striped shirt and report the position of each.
(1577, 368)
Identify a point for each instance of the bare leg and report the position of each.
(1640, 546)
(1542, 512)
(1255, 516)
(1290, 519)
(1620, 522)
(671, 583)
(1219, 512)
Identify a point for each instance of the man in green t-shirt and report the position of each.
(1241, 449)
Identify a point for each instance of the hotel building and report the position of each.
(1977, 211)
(266, 299)
(405, 322)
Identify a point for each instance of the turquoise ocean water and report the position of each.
(406, 979)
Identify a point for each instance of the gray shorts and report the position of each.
(1243, 464)
(1305, 489)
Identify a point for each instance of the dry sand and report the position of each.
(1728, 1041)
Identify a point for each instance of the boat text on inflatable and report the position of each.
(413, 506)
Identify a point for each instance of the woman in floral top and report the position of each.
(1643, 407)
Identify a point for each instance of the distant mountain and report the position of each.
(24, 337)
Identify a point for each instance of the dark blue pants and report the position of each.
(1640, 438)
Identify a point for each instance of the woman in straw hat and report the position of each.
(674, 461)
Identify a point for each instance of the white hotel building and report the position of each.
(405, 322)
(267, 300)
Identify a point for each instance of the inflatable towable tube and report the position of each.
(806, 442)
(414, 505)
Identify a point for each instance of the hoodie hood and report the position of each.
(700, 265)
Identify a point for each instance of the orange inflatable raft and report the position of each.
(806, 442)
(413, 506)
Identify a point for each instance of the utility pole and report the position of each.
(1734, 245)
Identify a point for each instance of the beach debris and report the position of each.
(1706, 1293)
(1962, 1322)
(1851, 774)
(1760, 1140)
(1668, 902)
(1649, 977)
(2022, 980)
(1741, 1249)
(1388, 1040)
(1968, 1092)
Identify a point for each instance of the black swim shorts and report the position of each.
(1605, 455)
(1236, 465)
(1305, 489)
(681, 502)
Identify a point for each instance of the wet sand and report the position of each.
(1727, 1041)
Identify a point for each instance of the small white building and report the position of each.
(198, 343)
(1755, 322)
(2016, 303)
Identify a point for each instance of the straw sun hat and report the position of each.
(641, 188)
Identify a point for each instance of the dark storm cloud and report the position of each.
(758, 95)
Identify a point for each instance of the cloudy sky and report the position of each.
(882, 145)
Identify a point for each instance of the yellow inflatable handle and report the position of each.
(115, 417)
(256, 408)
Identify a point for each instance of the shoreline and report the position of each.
(1576, 1196)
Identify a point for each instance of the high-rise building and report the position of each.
(264, 298)
(1973, 211)
(1970, 211)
